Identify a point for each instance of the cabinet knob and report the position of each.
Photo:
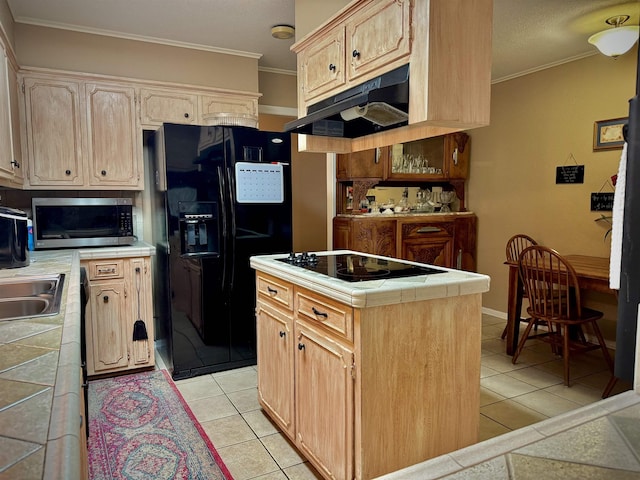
(15, 163)
(301, 346)
(186, 115)
(67, 172)
(355, 54)
(283, 334)
(332, 67)
(103, 173)
(105, 299)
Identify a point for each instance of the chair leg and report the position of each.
(612, 383)
(504, 333)
(523, 340)
(565, 352)
(603, 346)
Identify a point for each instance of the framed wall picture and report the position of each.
(607, 134)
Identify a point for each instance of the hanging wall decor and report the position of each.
(608, 134)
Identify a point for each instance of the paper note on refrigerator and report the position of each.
(259, 183)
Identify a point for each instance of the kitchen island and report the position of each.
(41, 420)
(368, 377)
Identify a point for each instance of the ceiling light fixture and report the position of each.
(618, 40)
(282, 32)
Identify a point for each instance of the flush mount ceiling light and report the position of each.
(282, 32)
(617, 40)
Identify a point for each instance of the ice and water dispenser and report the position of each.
(199, 232)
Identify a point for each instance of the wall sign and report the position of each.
(570, 174)
(602, 202)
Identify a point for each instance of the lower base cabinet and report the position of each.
(439, 239)
(366, 391)
(119, 296)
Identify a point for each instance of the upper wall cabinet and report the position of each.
(81, 134)
(54, 117)
(160, 105)
(375, 37)
(114, 144)
(10, 148)
(447, 44)
(85, 131)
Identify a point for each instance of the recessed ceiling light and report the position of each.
(282, 32)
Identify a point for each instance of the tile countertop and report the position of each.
(40, 384)
(375, 292)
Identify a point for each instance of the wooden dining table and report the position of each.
(592, 273)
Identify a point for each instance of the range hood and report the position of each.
(373, 106)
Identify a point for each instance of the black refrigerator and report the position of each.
(222, 194)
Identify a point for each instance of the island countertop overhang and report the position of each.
(451, 283)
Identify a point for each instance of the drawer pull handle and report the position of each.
(283, 334)
(428, 230)
(105, 299)
(318, 313)
(301, 346)
(272, 291)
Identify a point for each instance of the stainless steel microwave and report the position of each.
(82, 222)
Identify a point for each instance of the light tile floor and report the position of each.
(512, 396)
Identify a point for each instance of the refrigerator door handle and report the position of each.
(223, 209)
(232, 233)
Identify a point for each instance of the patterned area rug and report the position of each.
(141, 428)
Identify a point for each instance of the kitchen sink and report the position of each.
(33, 296)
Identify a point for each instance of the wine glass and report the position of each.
(446, 198)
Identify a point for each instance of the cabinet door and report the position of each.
(324, 402)
(141, 308)
(229, 109)
(465, 243)
(6, 151)
(321, 66)
(114, 139)
(429, 243)
(364, 164)
(53, 112)
(374, 236)
(159, 106)
(377, 36)
(107, 349)
(18, 166)
(275, 364)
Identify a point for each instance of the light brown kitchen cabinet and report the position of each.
(158, 106)
(54, 117)
(227, 108)
(447, 240)
(376, 36)
(450, 74)
(119, 294)
(275, 350)
(81, 134)
(338, 379)
(10, 147)
(114, 143)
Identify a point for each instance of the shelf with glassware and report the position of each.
(437, 164)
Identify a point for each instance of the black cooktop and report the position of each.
(356, 268)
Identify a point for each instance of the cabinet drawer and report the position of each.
(277, 291)
(424, 230)
(336, 316)
(106, 269)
